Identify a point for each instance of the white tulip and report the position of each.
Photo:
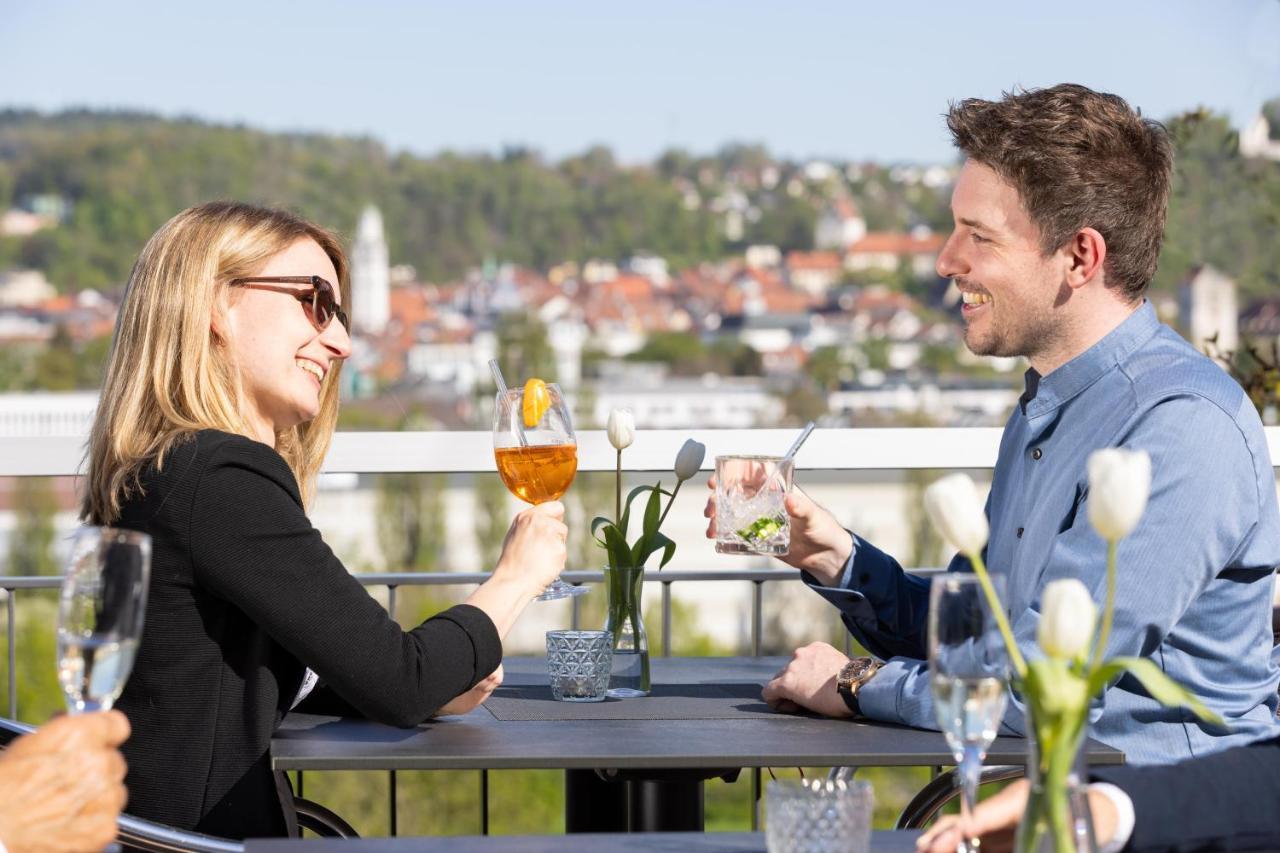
(956, 511)
(622, 428)
(1119, 485)
(1067, 615)
(689, 459)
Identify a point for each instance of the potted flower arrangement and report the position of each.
(626, 558)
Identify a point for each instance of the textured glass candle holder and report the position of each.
(578, 664)
(818, 817)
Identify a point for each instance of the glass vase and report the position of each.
(630, 675)
(1057, 817)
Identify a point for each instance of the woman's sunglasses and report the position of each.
(322, 307)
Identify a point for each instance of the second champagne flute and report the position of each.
(968, 675)
(100, 615)
(536, 452)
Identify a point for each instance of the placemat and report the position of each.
(522, 703)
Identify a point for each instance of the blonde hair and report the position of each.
(168, 376)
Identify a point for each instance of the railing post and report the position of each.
(391, 601)
(666, 619)
(13, 654)
(484, 799)
(392, 788)
(755, 799)
(757, 616)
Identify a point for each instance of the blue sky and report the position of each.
(849, 80)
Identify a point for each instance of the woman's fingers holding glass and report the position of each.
(534, 550)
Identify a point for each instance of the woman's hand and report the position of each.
(996, 819)
(533, 553)
(475, 697)
(62, 786)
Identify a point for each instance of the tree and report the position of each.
(411, 520)
(493, 517)
(31, 545)
(524, 350)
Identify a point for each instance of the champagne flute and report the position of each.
(537, 463)
(100, 614)
(968, 674)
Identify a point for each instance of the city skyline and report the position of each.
(823, 81)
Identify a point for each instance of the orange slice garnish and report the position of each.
(537, 399)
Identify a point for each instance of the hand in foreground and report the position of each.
(809, 681)
(819, 544)
(995, 820)
(534, 550)
(475, 697)
(62, 786)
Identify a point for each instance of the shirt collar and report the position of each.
(1043, 394)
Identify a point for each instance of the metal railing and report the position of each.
(654, 450)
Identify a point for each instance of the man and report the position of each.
(1224, 801)
(1059, 212)
(62, 786)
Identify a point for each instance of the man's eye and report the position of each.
(978, 238)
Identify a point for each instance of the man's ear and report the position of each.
(1086, 254)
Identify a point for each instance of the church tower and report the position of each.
(370, 274)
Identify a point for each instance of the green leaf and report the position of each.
(668, 549)
(653, 510)
(595, 523)
(1162, 688)
(619, 553)
(626, 512)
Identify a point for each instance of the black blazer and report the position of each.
(244, 595)
(1229, 800)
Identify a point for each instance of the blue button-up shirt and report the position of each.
(1194, 580)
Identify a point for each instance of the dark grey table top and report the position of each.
(480, 741)
(657, 842)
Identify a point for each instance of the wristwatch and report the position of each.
(852, 676)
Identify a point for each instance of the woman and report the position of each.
(220, 398)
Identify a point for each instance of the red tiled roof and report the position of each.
(813, 260)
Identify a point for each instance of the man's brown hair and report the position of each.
(1078, 159)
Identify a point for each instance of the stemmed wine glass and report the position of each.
(100, 614)
(968, 674)
(536, 452)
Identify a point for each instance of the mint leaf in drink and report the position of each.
(761, 529)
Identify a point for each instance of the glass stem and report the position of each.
(970, 772)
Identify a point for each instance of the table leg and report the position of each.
(592, 804)
(666, 806)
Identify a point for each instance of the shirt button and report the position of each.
(1037, 453)
(1020, 529)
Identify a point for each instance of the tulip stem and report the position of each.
(674, 492)
(997, 610)
(617, 491)
(1104, 633)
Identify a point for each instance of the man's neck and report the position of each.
(1090, 325)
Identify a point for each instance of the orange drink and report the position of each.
(538, 474)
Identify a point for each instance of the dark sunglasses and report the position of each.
(322, 305)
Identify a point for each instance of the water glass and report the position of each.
(100, 614)
(578, 663)
(751, 516)
(818, 817)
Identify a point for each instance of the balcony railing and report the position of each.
(850, 450)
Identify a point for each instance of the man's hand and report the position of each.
(995, 820)
(819, 545)
(62, 786)
(475, 697)
(809, 681)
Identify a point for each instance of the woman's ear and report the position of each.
(218, 324)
